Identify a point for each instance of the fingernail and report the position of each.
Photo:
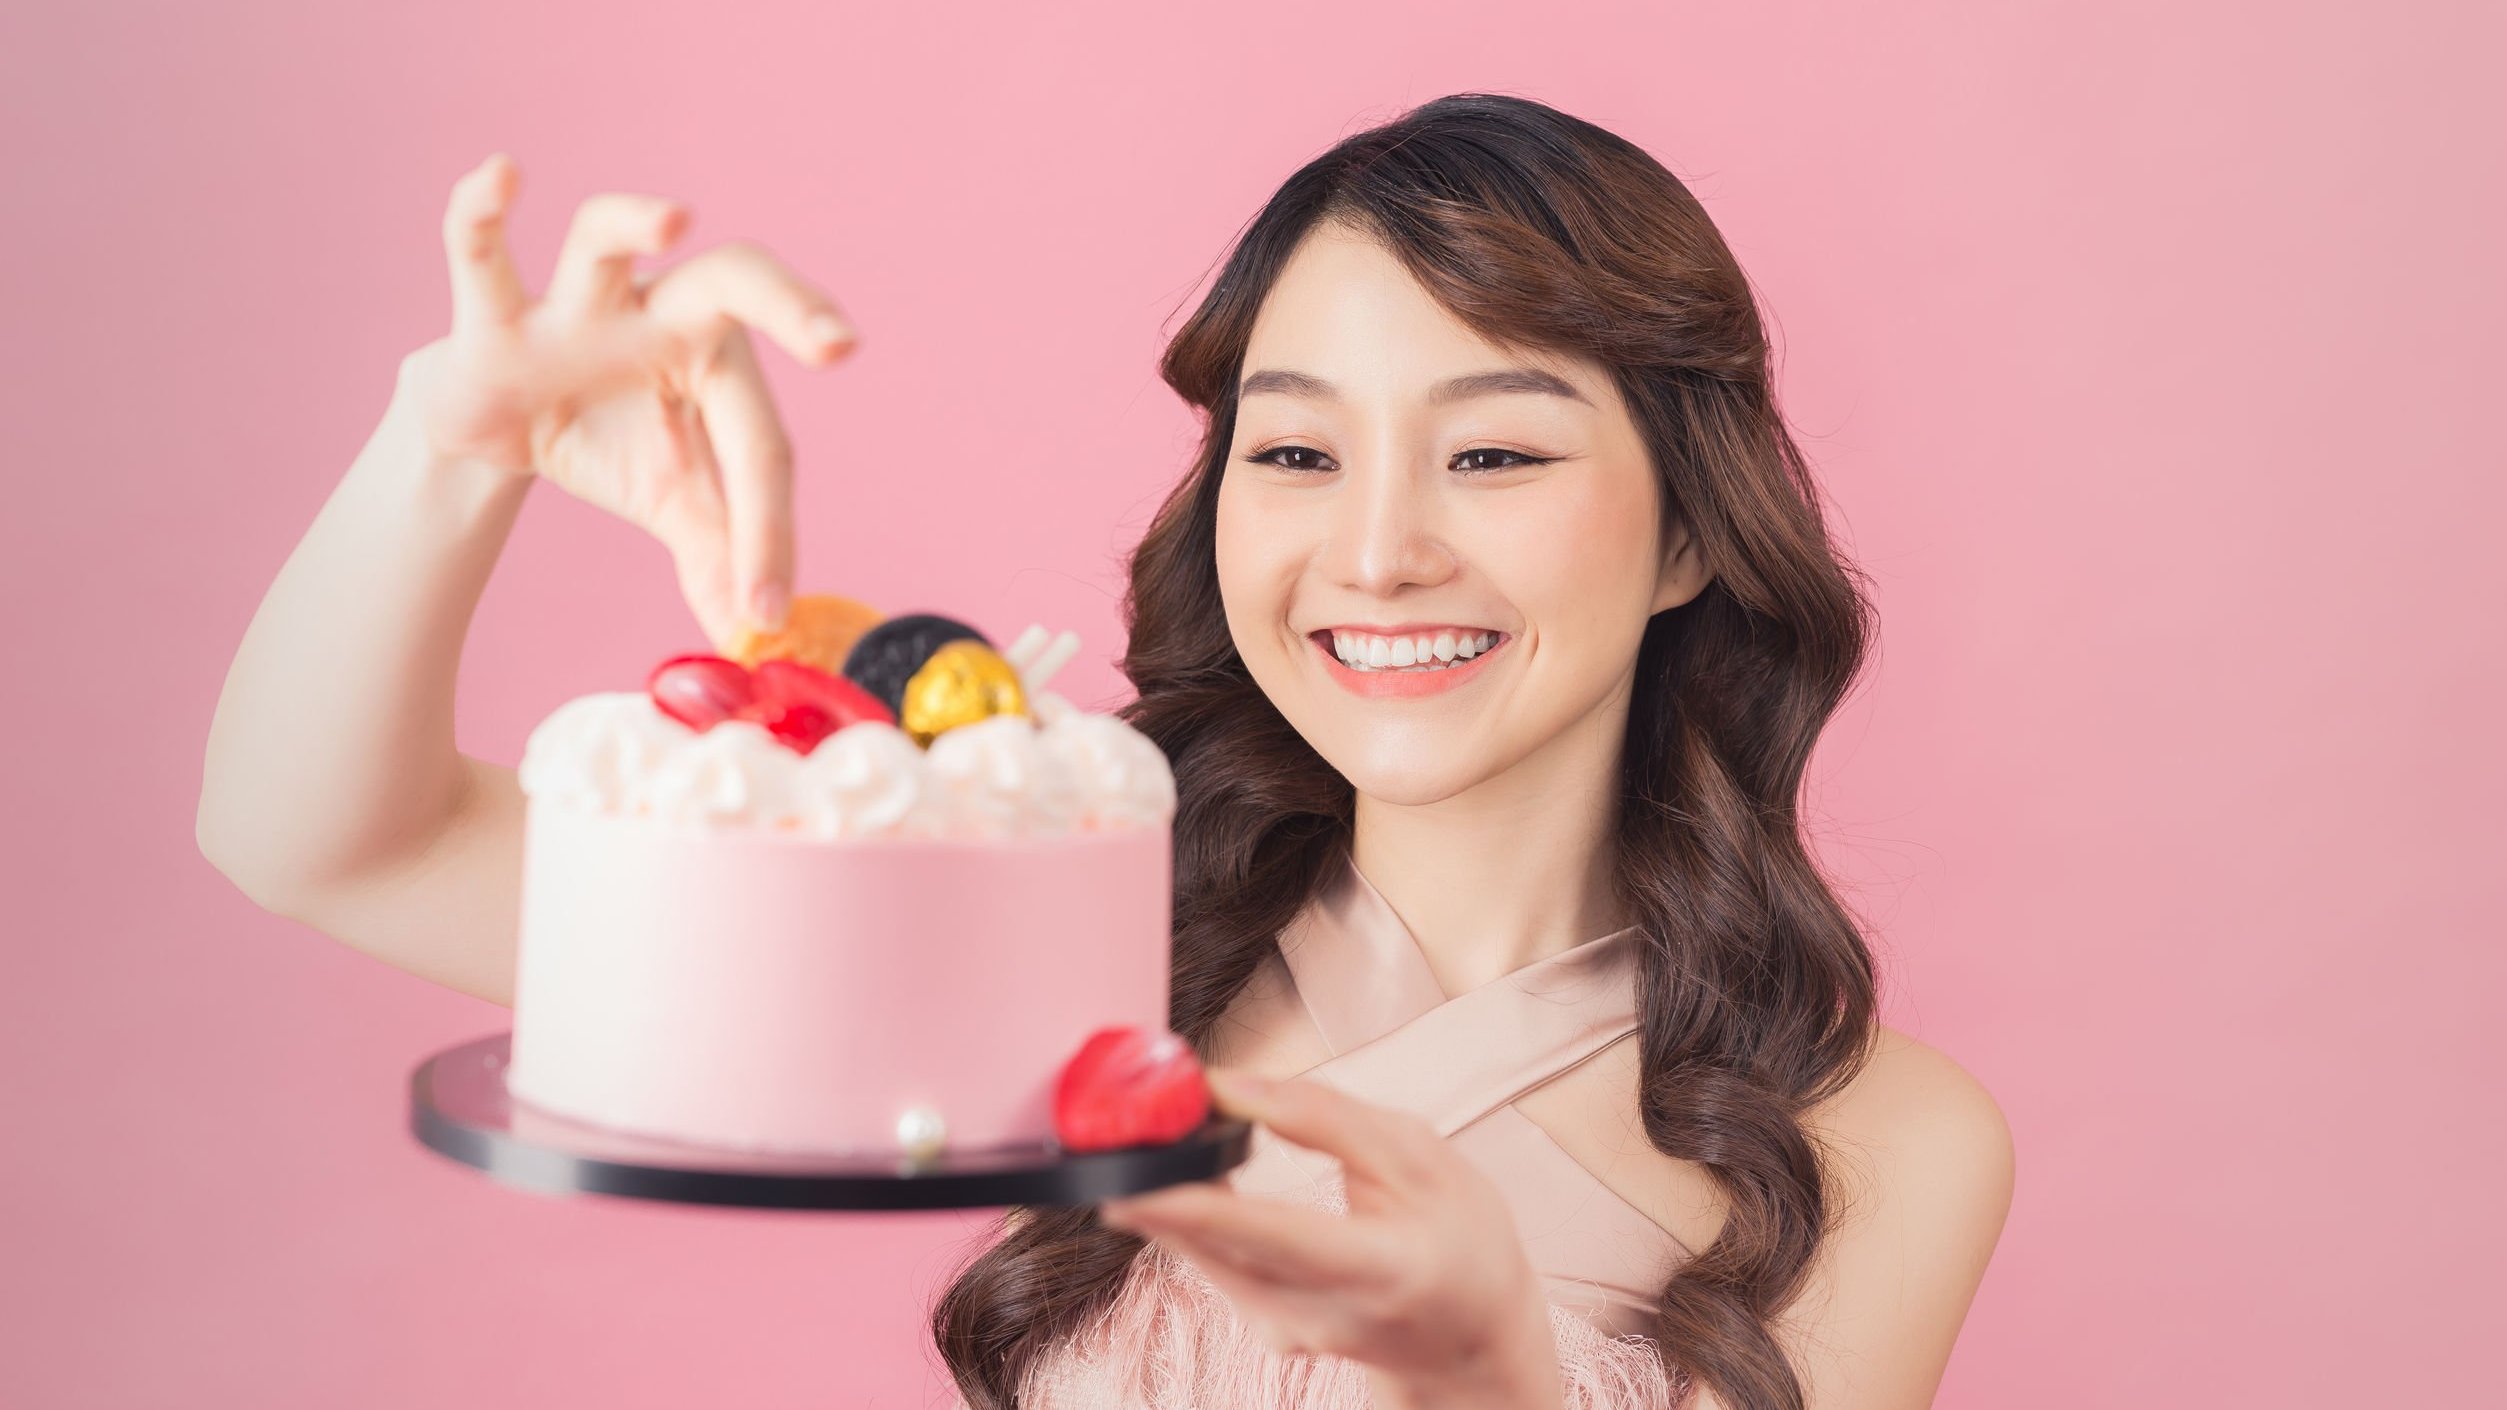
(767, 604)
(825, 328)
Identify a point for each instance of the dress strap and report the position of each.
(1398, 1040)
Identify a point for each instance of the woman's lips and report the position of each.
(1399, 684)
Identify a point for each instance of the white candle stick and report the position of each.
(1028, 644)
(1054, 657)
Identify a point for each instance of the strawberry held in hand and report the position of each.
(1129, 1086)
(798, 704)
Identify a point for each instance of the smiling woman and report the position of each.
(1490, 635)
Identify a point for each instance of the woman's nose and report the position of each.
(1387, 533)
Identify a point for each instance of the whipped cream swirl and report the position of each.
(1062, 770)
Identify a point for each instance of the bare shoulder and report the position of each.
(1915, 1123)
(1920, 1164)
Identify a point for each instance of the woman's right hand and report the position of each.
(638, 393)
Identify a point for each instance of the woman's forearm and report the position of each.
(331, 753)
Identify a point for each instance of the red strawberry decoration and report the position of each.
(1129, 1086)
(700, 691)
(798, 704)
(785, 683)
(800, 724)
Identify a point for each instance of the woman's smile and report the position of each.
(1405, 661)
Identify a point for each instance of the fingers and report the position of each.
(740, 281)
(691, 520)
(596, 266)
(486, 289)
(755, 459)
(1391, 1147)
(705, 584)
(1292, 1324)
(1267, 1238)
(1294, 1319)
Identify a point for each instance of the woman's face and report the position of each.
(1507, 537)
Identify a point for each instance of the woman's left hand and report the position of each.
(1425, 1280)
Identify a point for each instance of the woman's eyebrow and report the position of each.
(1282, 382)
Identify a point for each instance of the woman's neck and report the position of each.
(1510, 871)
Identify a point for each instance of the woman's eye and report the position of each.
(1483, 469)
(1272, 457)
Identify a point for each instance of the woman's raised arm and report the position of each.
(332, 792)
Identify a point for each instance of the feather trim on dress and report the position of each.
(1171, 1340)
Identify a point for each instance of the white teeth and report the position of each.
(1425, 653)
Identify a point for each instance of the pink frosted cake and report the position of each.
(877, 911)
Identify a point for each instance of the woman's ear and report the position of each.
(1684, 572)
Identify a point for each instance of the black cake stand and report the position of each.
(459, 1108)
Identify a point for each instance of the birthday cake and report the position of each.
(861, 885)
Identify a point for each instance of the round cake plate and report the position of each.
(459, 1108)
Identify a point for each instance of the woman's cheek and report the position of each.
(1257, 571)
(1555, 552)
(1577, 564)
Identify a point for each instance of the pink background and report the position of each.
(2151, 352)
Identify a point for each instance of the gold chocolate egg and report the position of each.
(818, 630)
(964, 681)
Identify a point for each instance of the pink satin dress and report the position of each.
(1172, 1339)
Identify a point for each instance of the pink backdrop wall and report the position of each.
(2151, 352)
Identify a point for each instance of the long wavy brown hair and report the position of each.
(1757, 993)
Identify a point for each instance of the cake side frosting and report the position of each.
(732, 989)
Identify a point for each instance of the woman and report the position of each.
(1489, 635)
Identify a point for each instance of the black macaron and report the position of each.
(888, 655)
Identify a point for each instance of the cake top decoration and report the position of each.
(926, 731)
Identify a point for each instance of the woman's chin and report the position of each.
(1406, 783)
